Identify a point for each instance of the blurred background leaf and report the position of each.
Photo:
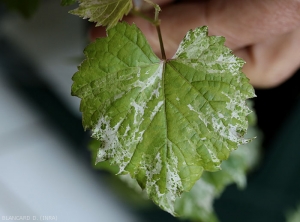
(293, 215)
(25, 7)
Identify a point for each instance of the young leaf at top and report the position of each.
(103, 12)
(163, 121)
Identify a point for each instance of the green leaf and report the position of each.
(103, 12)
(163, 122)
(67, 2)
(25, 7)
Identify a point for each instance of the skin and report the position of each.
(265, 33)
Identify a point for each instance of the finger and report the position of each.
(272, 62)
(251, 21)
(96, 32)
(271, 54)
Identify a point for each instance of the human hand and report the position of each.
(265, 33)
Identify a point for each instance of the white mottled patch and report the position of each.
(108, 136)
(221, 115)
(152, 168)
(118, 96)
(193, 43)
(235, 114)
(220, 58)
(126, 131)
(172, 182)
(139, 72)
(233, 132)
(219, 127)
(139, 110)
(200, 114)
(213, 156)
(151, 80)
(156, 109)
(156, 91)
(156, 168)
(229, 132)
(112, 147)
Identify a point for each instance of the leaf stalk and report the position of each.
(155, 22)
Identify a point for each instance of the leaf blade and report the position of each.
(103, 12)
(161, 121)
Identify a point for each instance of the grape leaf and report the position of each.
(163, 122)
(103, 12)
(67, 2)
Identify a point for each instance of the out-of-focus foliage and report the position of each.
(25, 7)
